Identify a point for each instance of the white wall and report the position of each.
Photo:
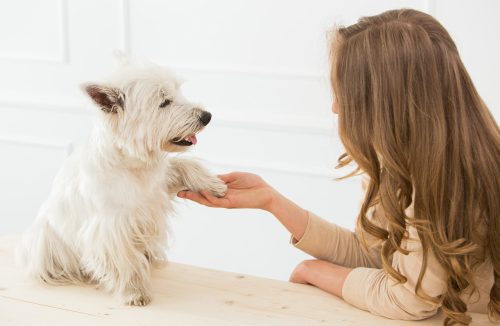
(261, 68)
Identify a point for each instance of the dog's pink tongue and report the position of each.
(192, 139)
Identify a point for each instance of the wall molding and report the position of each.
(125, 26)
(63, 52)
(278, 123)
(430, 7)
(66, 146)
(259, 72)
(277, 167)
(45, 106)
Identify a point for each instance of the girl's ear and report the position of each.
(109, 99)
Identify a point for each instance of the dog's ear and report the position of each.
(121, 57)
(109, 99)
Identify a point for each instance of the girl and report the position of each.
(427, 234)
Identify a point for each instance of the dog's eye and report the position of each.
(165, 103)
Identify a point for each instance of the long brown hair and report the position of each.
(411, 118)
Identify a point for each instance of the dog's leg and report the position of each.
(47, 258)
(191, 175)
(135, 293)
(115, 257)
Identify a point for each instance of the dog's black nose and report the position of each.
(205, 117)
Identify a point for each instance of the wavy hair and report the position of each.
(411, 118)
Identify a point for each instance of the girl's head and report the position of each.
(411, 118)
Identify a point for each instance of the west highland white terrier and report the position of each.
(105, 219)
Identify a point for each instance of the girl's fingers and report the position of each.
(229, 177)
(196, 197)
(215, 201)
(204, 198)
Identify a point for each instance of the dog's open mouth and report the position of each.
(187, 141)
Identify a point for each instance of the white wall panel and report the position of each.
(27, 167)
(33, 30)
(34, 122)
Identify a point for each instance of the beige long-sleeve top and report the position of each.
(370, 288)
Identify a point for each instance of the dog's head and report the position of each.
(143, 107)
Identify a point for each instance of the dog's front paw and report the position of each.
(137, 298)
(217, 187)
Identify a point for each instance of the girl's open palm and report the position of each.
(244, 190)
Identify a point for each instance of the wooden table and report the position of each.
(182, 295)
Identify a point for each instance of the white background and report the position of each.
(259, 66)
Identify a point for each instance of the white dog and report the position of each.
(104, 221)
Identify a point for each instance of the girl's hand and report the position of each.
(244, 190)
(322, 274)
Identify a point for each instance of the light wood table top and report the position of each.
(182, 295)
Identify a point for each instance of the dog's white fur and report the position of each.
(104, 221)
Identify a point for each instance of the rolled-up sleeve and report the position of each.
(327, 241)
(376, 291)
(373, 290)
